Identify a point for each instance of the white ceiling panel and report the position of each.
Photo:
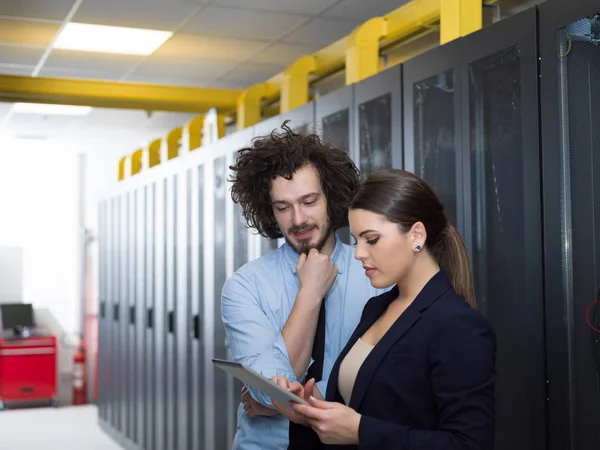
(37, 9)
(114, 118)
(147, 14)
(163, 122)
(69, 59)
(195, 46)
(24, 56)
(186, 67)
(307, 7)
(241, 24)
(363, 10)
(321, 32)
(9, 69)
(26, 32)
(252, 73)
(284, 54)
(85, 74)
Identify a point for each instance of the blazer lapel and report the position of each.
(438, 285)
(370, 316)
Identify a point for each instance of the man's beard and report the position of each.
(305, 245)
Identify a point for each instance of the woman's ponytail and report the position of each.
(454, 260)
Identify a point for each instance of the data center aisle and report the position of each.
(67, 428)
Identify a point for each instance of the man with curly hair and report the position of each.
(290, 312)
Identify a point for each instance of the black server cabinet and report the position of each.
(160, 316)
(220, 273)
(141, 372)
(103, 341)
(132, 285)
(377, 121)
(432, 125)
(196, 421)
(333, 118)
(149, 368)
(122, 342)
(501, 181)
(569, 40)
(183, 317)
(115, 331)
(171, 297)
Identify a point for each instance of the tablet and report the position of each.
(258, 382)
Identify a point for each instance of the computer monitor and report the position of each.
(14, 315)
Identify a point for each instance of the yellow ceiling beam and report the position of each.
(294, 83)
(249, 104)
(107, 94)
(362, 50)
(173, 142)
(460, 18)
(136, 162)
(154, 153)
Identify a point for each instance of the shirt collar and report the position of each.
(338, 256)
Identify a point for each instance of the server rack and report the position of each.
(182, 307)
(130, 246)
(140, 369)
(333, 119)
(569, 42)
(220, 275)
(171, 297)
(115, 350)
(196, 421)
(377, 121)
(149, 403)
(160, 316)
(102, 329)
(432, 126)
(122, 342)
(502, 215)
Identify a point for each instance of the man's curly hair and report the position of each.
(281, 155)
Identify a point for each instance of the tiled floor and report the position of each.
(66, 428)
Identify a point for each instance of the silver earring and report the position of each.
(417, 248)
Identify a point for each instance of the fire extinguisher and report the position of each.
(79, 378)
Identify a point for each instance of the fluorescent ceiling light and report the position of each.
(52, 110)
(109, 39)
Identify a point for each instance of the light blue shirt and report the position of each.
(256, 303)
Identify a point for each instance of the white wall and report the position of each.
(39, 208)
(11, 274)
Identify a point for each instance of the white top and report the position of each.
(350, 366)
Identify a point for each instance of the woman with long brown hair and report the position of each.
(419, 370)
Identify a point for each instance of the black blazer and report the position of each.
(428, 384)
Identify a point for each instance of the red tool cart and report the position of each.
(28, 371)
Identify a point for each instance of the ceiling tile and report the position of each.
(363, 10)
(152, 15)
(241, 24)
(37, 9)
(307, 7)
(284, 54)
(28, 56)
(26, 32)
(8, 69)
(252, 73)
(321, 32)
(192, 68)
(86, 74)
(69, 59)
(194, 46)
